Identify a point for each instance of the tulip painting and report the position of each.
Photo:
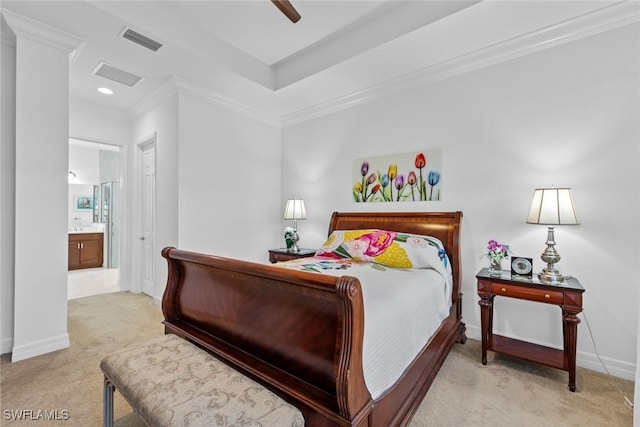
(414, 176)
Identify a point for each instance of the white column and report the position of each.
(7, 183)
(41, 186)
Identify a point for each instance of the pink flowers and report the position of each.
(497, 251)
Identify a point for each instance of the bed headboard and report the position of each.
(441, 225)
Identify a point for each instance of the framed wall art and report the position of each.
(406, 177)
(83, 203)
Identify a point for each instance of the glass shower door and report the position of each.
(109, 214)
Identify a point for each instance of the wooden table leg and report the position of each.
(571, 320)
(486, 322)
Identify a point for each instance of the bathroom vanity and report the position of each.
(85, 249)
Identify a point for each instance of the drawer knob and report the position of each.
(504, 290)
(547, 296)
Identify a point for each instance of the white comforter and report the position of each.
(403, 308)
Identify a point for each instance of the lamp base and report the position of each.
(550, 276)
(294, 239)
(550, 256)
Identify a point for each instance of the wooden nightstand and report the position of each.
(567, 295)
(282, 254)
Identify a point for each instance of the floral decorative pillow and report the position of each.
(390, 248)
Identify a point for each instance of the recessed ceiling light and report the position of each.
(105, 90)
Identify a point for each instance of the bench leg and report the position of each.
(107, 403)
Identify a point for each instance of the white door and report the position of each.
(148, 228)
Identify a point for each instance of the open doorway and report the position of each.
(94, 218)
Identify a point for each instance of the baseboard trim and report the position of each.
(6, 345)
(157, 301)
(37, 348)
(616, 368)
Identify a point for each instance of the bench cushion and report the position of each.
(171, 382)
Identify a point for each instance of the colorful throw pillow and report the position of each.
(390, 248)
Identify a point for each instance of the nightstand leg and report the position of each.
(490, 327)
(570, 326)
(486, 322)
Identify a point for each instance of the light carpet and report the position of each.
(505, 392)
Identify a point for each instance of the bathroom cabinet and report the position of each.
(85, 250)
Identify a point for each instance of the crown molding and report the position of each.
(176, 84)
(202, 93)
(601, 20)
(165, 89)
(40, 33)
(7, 37)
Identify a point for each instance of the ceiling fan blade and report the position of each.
(287, 8)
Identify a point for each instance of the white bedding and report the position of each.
(403, 308)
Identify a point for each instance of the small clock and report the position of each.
(521, 267)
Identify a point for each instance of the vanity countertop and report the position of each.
(86, 230)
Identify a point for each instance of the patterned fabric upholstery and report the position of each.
(171, 382)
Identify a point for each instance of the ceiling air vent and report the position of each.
(117, 75)
(142, 40)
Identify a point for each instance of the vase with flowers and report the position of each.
(289, 233)
(496, 252)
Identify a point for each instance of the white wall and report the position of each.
(229, 182)
(95, 123)
(161, 120)
(84, 161)
(217, 178)
(566, 116)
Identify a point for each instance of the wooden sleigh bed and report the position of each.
(301, 333)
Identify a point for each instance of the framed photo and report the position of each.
(521, 267)
(83, 203)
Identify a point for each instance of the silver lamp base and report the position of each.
(294, 238)
(550, 276)
(550, 256)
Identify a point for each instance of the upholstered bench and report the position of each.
(169, 381)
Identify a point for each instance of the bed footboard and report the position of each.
(298, 333)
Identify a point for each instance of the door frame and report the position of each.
(124, 234)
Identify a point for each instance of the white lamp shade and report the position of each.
(295, 209)
(552, 206)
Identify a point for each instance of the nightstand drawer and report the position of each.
(530, 294)
(282, 254)
(279, 257)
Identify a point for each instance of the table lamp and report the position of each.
(295, 210)
(551, 207)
